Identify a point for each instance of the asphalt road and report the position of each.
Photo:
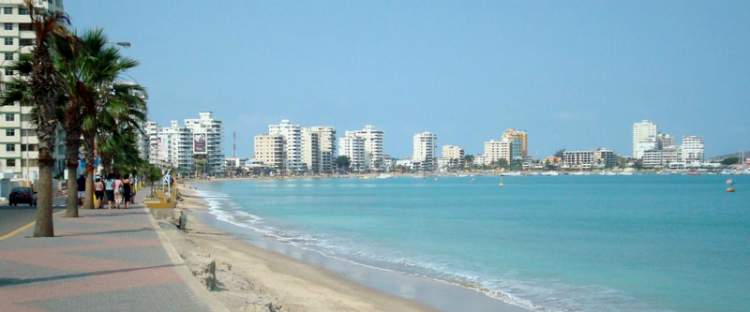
(12, 217)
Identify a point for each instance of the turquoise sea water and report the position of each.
(550, 243)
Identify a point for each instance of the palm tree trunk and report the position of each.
(71, 209)
(43, 226)
(72, 146)
(88, 197)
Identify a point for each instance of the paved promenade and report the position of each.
(106, 260)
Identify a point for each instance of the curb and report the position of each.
(183, 271)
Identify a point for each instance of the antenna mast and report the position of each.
(234, 143)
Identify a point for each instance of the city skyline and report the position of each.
(574, 85)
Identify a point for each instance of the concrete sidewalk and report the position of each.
(106, 260)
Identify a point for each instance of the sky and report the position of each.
(574, 74)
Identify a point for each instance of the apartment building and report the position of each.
(599, 158)
(292, 134)
(692, 149)
(207, 141)
(520, 139)
(311, 156)
(644, 137)
(452, 157)
(424, 151)
(326, 148)
(18, 141)
(373, 144)
(269, 150)
(352, 146)
(175, 149)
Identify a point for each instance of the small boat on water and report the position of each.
(730, 186)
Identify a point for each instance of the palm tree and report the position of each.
(43, 92)
(120, 122)
(68, 58)
(103, 67)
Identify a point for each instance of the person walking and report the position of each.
(99, 192)
(81, 189)
(117, 186)
(127, 191)
(109, 190)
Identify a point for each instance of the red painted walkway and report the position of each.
(106, 260)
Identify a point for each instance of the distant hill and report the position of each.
(720, 157)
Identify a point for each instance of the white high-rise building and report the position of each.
(175, 148)
(207, 141)
(292, 134)
(326, 153)
(491, 152)
(373, 147)
(18, 140)
(692, 149)
(425, 151)
(311, 150)
(151, 130)
(644, 137)
(352, 146)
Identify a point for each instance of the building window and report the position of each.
(10, 132)
(29, 162)
(28, 147)
(8, 56)
(8, 41)
(25, 26)
(23, 11)
(8, 10)
(10, 162)
(10, 147)
(25, 117)
(28, 132)
(8, 26)
(10, 117)
(8, 72)
(26, 42)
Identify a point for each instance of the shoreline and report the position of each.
(388, 290)
(252, 278)
(481, 173)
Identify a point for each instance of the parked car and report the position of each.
(19, 195)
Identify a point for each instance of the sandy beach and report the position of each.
(254, 279)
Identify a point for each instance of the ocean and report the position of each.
(546, 243)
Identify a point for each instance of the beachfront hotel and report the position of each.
(424, 151)
(18, 151)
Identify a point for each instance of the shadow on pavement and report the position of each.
(5, 282)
